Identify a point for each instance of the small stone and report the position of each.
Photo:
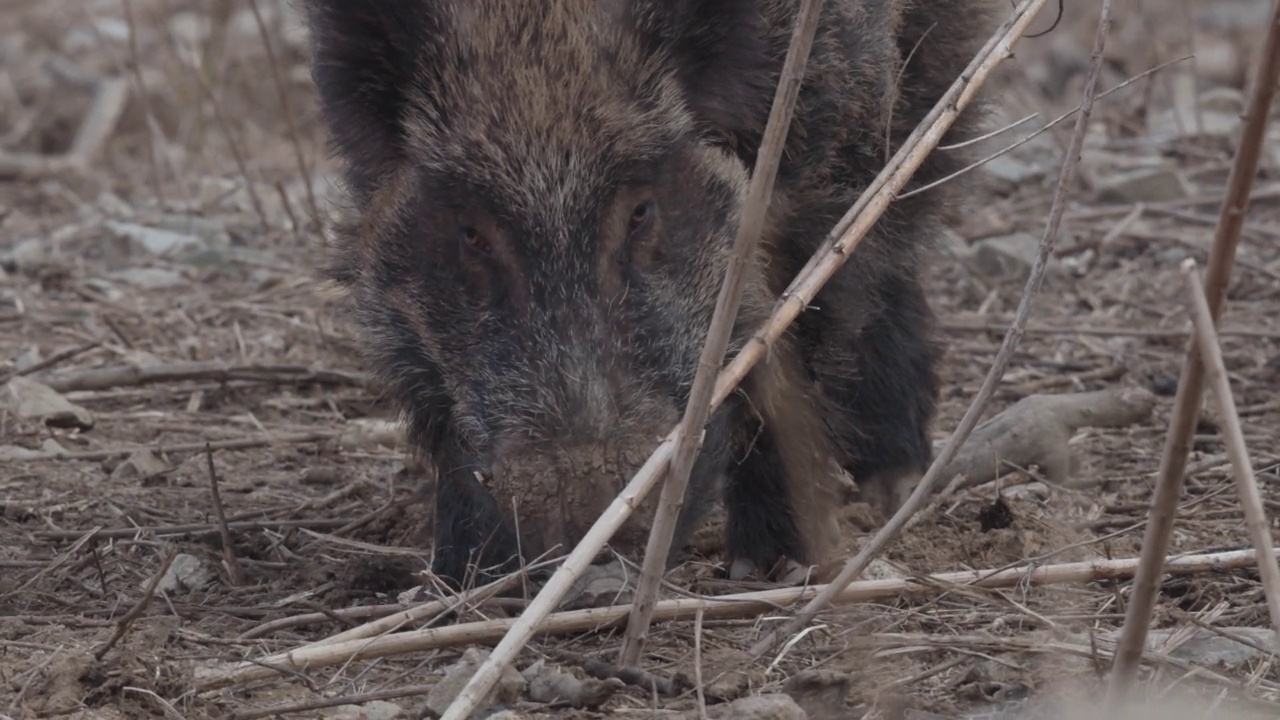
(775, 706)
(1148, 185)
(1033, 491)
(35, 401)
(16, 452)
(28, 359)
(106, 288)
(320, 476)
(186, 573)
(150, 278)
(29, 252)
(1006, 256)
(881, 570)
(599, 586)
(820, 693)
(376, 710)
(1223, 100)
(1165, 385)
(153, 240)
(1011, 169)
(507, 690)
(141, 464)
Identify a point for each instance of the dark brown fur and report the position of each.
(499, 153)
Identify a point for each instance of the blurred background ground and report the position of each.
(193, 237)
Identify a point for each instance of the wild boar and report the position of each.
(544, 198)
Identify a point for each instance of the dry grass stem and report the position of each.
(234, 571)
(690, 431)
(240, 444)
(1190, 394)
(1255, 515)
(102, 378)
(920, 496)
(723, 607)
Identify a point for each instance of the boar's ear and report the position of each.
(723, 60)
(364, 59)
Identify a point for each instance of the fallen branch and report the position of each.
(193, 529)
(1037, 430)
(1190, 395)
(132, 375)
(241, 444)
(920, 496)
(724, 607)
(1255, 516)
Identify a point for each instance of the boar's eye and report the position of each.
(474, 240)
(640, 216)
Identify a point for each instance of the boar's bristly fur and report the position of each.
(546, 195)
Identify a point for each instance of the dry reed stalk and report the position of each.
(924, 490)
(829, 258)
(723, 607)
(689, 433)
(1255, 516)
(1190, 395)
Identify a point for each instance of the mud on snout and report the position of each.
(553, 494)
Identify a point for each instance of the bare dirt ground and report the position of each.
(186, 249)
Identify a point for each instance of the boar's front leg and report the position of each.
(781, 498)
(881, 386)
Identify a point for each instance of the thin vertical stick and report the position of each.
(1186, 404)
(717, 343)
(1255, 517)
(920, 496)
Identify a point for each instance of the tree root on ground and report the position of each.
(1037, 431)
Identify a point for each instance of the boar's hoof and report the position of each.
(789, 572)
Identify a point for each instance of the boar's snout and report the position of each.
(556, 490)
